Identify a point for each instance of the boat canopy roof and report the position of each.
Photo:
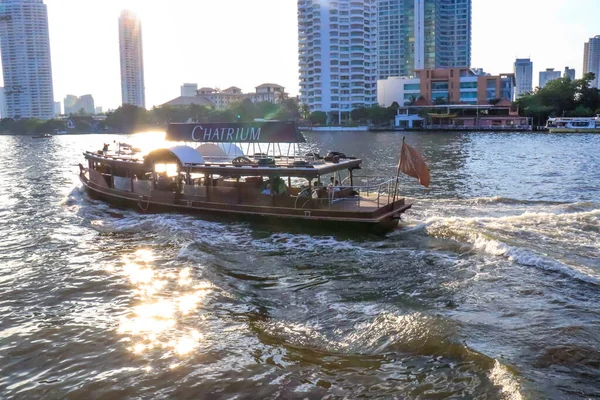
(226, 132)
(186, 156)
(219, 151)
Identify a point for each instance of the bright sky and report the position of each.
(246, 43)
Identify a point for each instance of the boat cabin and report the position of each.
(250, 175)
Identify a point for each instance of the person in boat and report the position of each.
(105, 148)
(163, 182)
(266, 190)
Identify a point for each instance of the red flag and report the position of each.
(412, 164)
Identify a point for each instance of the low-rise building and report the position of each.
(446, 86)
(220, 99)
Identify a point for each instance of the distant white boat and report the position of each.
(574, 125)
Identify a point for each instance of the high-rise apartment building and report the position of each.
(523, 69)
(57, 108)
(548, 75)
(337, 42)
(420, 34)
(569, 72)
(26, 63)
(591, 59)
(77, 105)
(3, 111)
(132, 59)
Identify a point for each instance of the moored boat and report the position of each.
(42, 136)
(574, 125)
(216, 176)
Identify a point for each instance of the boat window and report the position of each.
(170, 169)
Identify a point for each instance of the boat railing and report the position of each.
(381, 193)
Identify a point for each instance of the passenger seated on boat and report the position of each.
(304, 191)
(266, 190)
(162, 182)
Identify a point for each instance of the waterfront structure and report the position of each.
(57, 109)
(591, 59)
(337, 44)
(548, 75)
(422, 34)
(523, 70)
(221, 99)
(76, 105)
(189, 89)
(3, 112)
(569, 72)
(445, 86)
(132, 59)
(26, 62)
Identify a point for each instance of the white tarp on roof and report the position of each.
(219, 151)
(211, 150)
(231, 149)
(187, 155)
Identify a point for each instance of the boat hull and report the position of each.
(379, 225)
(574, 130)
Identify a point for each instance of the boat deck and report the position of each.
(362, 203)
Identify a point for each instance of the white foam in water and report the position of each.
(501, 377)
(535, 228)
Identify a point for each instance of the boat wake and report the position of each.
(559, 237)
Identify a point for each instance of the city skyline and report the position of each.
(213, 46)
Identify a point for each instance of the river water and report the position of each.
(489, 291)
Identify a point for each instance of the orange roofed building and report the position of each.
(446, 86)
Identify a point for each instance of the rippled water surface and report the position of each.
(489, 291)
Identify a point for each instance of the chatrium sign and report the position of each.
(222, 132)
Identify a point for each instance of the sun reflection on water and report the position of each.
(166, 299)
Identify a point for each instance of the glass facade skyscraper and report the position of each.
(418, 34)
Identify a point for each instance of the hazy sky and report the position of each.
(249, 42)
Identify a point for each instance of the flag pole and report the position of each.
(398, 172)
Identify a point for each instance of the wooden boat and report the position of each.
(219, 178)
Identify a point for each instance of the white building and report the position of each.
(401, 90)
(523, 69)
(132, 59)
(3, 112)
(221, 99)
(422, 34)
(189, 89)
(591, 59)
(26, 62)
(57, 109)
(569, 72)
(548, 75)
(337, 45)
(269, 92)
(98, 110)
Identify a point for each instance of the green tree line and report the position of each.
(561, 97)
(129, 118)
